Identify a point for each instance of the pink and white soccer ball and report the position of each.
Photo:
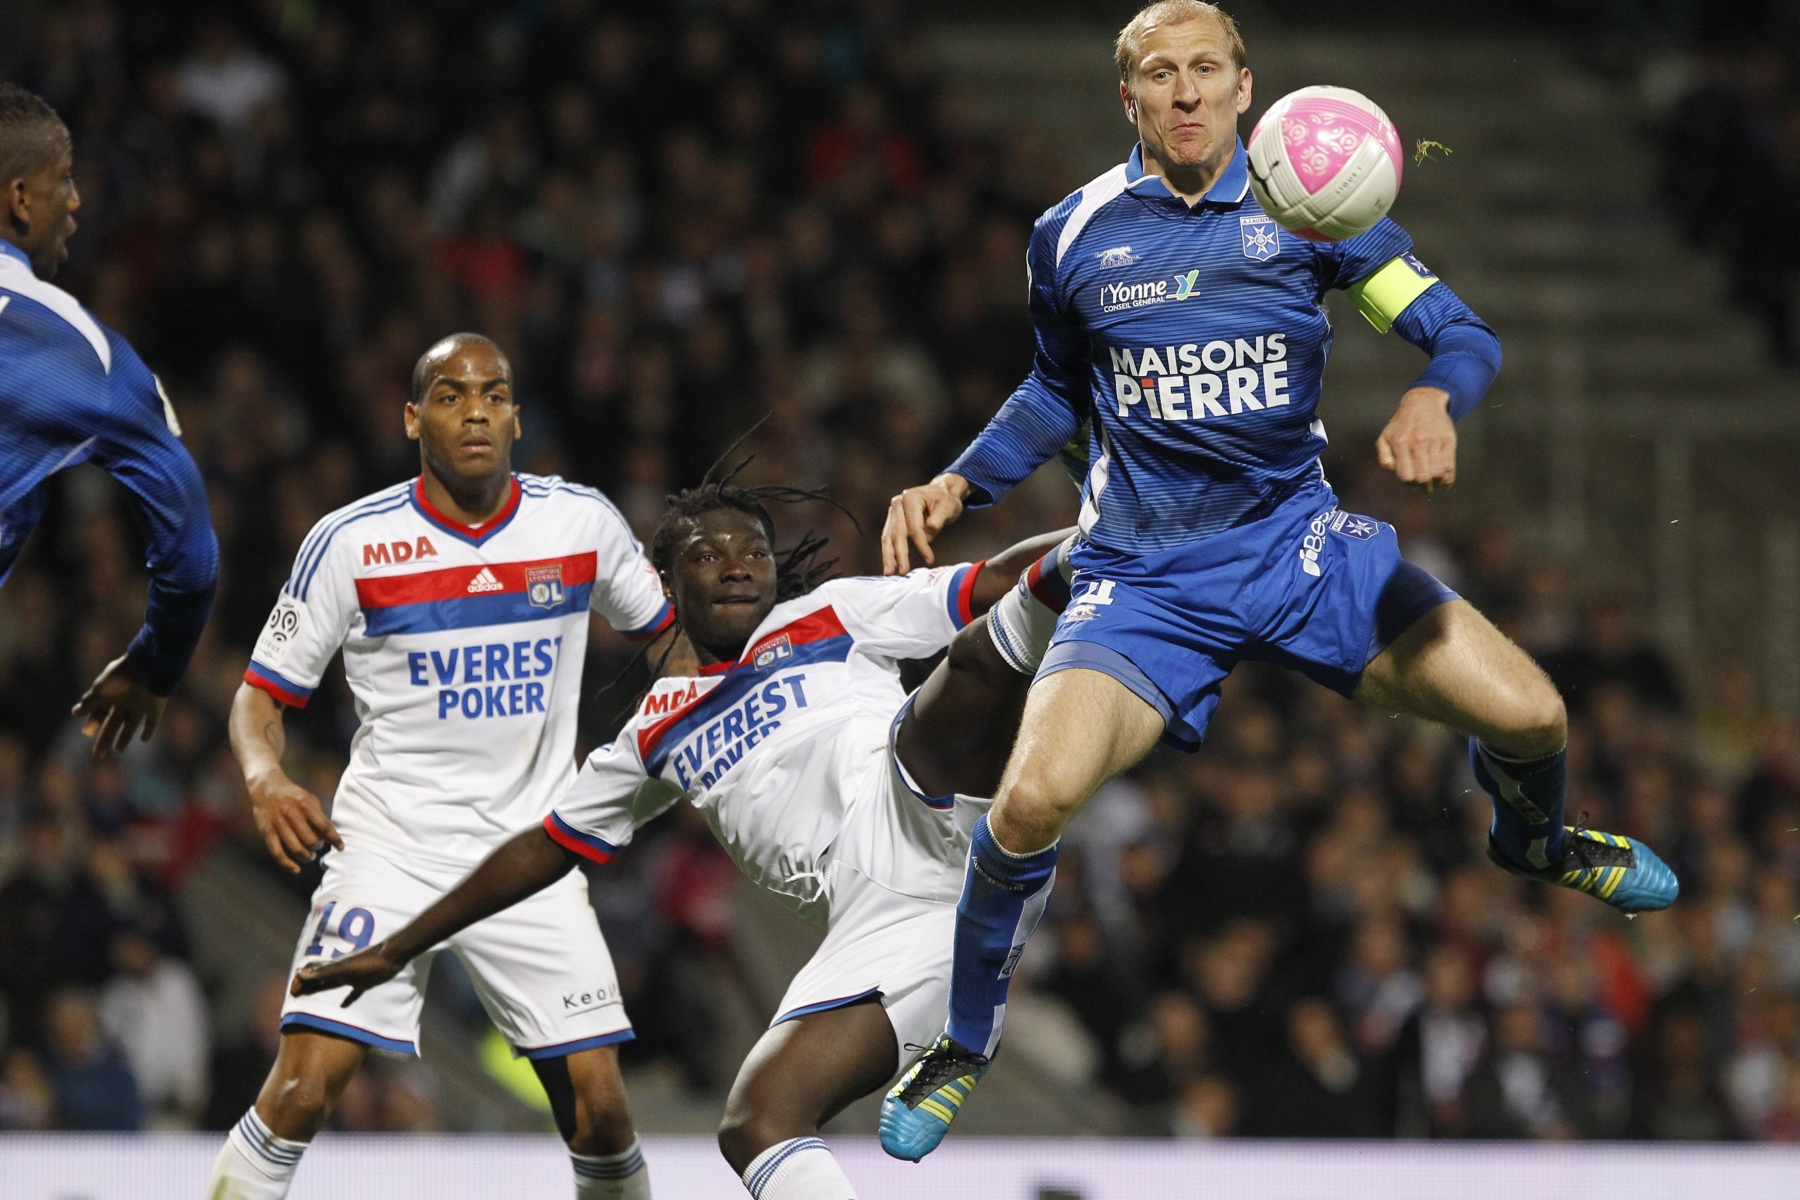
(1325, 162)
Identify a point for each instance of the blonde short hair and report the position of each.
(1128, 47)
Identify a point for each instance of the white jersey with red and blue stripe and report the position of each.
(463, 648)
(777, 748)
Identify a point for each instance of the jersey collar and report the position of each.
(475, 535)
(1231, 187)
(12, 251)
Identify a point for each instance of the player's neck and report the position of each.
(1191, 183)
(470, 501)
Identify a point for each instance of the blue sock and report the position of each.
(1003, 898)
(1528, 804)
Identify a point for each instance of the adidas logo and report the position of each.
(485, 582)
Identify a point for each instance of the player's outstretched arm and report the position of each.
(1000, 574)
(524, 866)
(290, 818)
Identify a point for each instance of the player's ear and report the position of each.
(18, 204)
(1243, 89)
(1130, 104)
(412, 421)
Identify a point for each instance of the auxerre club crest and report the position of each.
(1261, 235)
(544, 586)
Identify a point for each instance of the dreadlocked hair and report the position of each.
(798, 569)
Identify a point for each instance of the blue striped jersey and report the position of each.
(463, 647)
(1195, 339)
(74, 391)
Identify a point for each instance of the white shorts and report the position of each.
(894, 875)
(541, 968)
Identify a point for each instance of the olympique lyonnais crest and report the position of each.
(773, 651)
(544, 586)
(1262, 237)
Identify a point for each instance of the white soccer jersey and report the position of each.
(776, 748)
(463, 647)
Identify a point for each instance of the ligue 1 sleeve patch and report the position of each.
(280, 633)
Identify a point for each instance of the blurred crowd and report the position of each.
(690, 225)
(1723, 82)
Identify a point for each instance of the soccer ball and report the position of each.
(1325, 163)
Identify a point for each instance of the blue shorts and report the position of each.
(1310, 587)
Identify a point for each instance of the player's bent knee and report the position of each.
(747, 1131)
(1534, 722)
(1033, 809)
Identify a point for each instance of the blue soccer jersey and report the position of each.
(1195, 338)
(74, 392)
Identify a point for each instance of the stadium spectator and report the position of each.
(94, 1087)
(154, 1011)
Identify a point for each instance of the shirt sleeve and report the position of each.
(1347, 263)
(906, 616)
(139, 446)
(1404, 295)
(1045, 412)
(310, 623)
(611, 796)
(627, 591)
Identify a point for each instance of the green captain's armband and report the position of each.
(1383, 296)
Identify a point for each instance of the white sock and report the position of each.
(797, 1169)
(1022, 624)
(620, 1176)
(253, 1164)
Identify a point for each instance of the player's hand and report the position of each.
(917, 515)
(359, 972)
(1419, 443)
(115, 705)
(291, 820)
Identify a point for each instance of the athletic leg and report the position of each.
(587, 1098)
(959, 728)
(1452, 666)
(262, 1151)
(802, 1073)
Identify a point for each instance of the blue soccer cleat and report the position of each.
(916, 1115)
(1608, 866)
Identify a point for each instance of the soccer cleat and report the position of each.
(916, 1115)
(1608, 866)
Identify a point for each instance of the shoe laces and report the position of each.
(940, 1064)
